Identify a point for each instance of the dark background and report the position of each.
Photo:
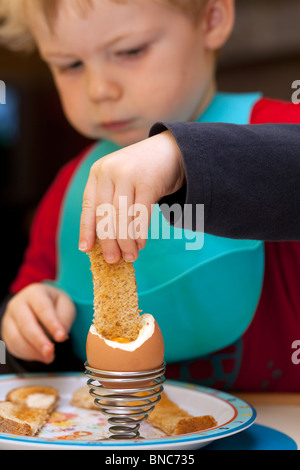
(263, 54)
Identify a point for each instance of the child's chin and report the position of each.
(129, 138)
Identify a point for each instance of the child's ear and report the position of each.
(218, 22)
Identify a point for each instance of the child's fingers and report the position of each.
(122, 226)
(124, 207)
(111, 250)
(65, 310)
(88, 215)
(32, 331)
(143, 208)
(106, 230)
(106, 219)
(42, 306)
(25, 338)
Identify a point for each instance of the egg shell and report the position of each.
(149, 355)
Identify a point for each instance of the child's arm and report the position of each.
(35, 317)
(247, 177)
(26, 294)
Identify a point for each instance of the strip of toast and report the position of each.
(27, 409)
(116, 308)
(170, 418)
(81, 398)
(20, 419)
(42, 397)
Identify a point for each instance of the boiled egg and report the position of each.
(120, 355)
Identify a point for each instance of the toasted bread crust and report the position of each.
(11, 427)
(19, 419)
(23, 392)
(173, 420)
(116, 309)
(195, 424)
(27, 409)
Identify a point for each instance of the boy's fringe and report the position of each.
(15, 33)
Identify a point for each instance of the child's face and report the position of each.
(121, 67)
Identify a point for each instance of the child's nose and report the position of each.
(102, 88)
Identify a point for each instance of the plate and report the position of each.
(80, 429)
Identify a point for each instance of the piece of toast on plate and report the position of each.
(81, 398)
(20, 419)
(173, 420)
(34, 396)
(27, 409)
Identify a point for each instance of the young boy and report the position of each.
(120, 66)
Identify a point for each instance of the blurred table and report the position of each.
(280, 411)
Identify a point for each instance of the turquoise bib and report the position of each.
(203, 299)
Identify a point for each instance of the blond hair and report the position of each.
(15, 32)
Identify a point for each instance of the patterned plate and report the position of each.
(75, 428)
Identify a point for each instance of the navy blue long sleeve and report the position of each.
(247, 177)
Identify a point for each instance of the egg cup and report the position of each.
(126, 398)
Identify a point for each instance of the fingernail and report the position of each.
(46, 349)
(83, 245)
(60, 335)
(129, 257)
(109, 257)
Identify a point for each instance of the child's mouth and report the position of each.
(116, 125)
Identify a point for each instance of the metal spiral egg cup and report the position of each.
(126, 408)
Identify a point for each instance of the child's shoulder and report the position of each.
(268, 110)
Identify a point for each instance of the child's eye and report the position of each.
(70, 67)
(133, 53)
(74, 65)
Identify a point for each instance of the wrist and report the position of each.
(175, 171)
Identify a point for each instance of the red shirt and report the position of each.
(262, 359)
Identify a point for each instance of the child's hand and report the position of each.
(33, 316)
(142, 173)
